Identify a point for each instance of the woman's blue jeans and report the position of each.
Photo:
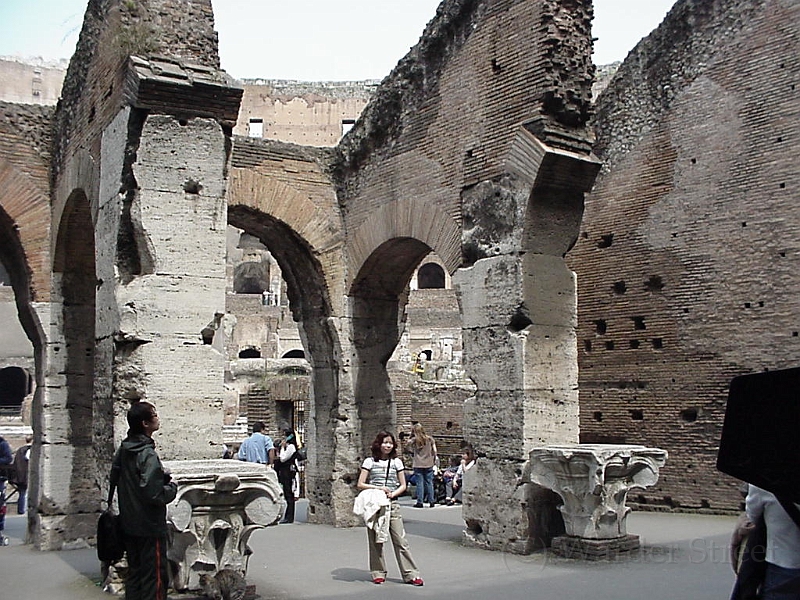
(424, 477)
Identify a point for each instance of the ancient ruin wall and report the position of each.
(688, 252)
(311, 114)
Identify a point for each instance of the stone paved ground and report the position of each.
(684, 557)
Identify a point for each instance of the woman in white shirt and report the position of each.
(782, 580)
(384, 471)
(455, 488)
(286, 467)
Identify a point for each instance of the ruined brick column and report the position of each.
(519, 317)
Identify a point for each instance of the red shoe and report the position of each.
(379, 580)
(417, 582)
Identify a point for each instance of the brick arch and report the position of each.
(267, 195)
(306, 241)
(411, 218)
(26, 208)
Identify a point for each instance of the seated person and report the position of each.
(454, 487)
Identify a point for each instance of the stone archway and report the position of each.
(70, 450)
(305, 243)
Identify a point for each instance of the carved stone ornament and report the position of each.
(220, 503)
(593, 481)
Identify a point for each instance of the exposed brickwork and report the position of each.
(689, 243)
(25, 139)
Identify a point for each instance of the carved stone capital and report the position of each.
(593, 481)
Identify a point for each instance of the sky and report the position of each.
(309, 40)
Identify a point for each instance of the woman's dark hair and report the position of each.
(376, 445)
(289, 436)
(138, 413)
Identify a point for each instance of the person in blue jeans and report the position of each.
(5, 459)
(423, 447)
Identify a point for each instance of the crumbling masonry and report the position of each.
(477, 147)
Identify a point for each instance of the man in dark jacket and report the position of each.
(144, 490)
(20, 474)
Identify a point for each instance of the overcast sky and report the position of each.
(310, 40)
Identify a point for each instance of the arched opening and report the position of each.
(430, 276)
(380, 293)
(250, 353)
(251, 278)
(309, 311)
(15, 384)
(75, 285)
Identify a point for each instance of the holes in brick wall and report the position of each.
(183, 122)
(658, 343)
(779, 140)
(597, 416)
(600, 326)
(705, 503)
(637, 414)
(782, 254)
(795, 333)
(619, 287)
(449, 425)
(782, 185)
(744, 223)
(609, 345)
(747, 305)
(638, 323)
(654, 284)
(694, 161)
(496, 68)
(761, 304)
(606, 241)
(585, 234)
(587, 345)
(689, 414)
(634, 344)
(92, 114)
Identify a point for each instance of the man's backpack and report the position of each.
(302, 454)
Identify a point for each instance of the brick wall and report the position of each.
(688, 253)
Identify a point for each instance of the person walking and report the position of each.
(20, 474)
(6, 458)
(144, 488)
(423, 448)
(257, 448)
(384, 471)
(286, 467)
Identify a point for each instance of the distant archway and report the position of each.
(250, 353)
(15, 384)
(294, 354)
(251, 278)
(430, 276)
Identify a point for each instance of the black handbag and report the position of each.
(753, 567)
(110, 545)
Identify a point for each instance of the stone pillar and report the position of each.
(176, 225)
(519, 310)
